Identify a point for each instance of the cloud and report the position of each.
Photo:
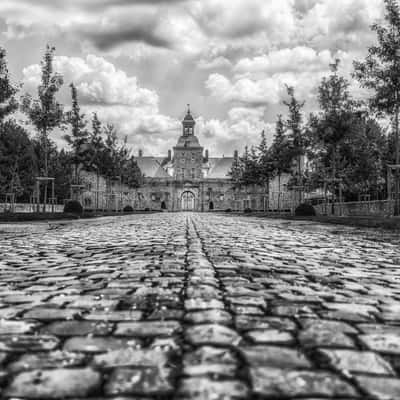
(237, 18)
(295, 59)
(98, 82)
(108, 37)
(116, 97)
(242, 127)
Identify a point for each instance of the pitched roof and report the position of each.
(220, 167)
(151, 167)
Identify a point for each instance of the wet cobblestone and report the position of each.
(198, 306)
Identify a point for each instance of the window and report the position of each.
(183, 173)
(193, 173)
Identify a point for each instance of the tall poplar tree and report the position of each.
(294, 127)
(44, 112)
(79, 137)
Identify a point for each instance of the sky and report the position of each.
(138, 63)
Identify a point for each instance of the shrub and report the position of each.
(247, 210)
(228, 210)
(147, 209)
(73, 207)
(305, 210)
(128, 209)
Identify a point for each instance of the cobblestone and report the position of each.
(198, 306)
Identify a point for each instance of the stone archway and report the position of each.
(188, 201)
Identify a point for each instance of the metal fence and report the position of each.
(381, 208)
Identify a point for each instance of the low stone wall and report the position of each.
(28, 208)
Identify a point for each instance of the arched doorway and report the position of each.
(211, 205)
(187, 201)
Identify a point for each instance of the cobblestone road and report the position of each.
(198, 306)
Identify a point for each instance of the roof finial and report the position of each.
(188, 110)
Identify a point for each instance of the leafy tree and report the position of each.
(131, 174)
(380, 72)
(79, 137)
(331, 126)
(280, 152)
(8, 103)
(62, 166)
(109, 166)
(236, 171)
(18, 162)
(45, 113)
(294, 127)
(363, 159)
(249, 167)
(265, 165)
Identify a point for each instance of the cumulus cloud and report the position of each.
(241, 127)
(115, 96)
(238, 18)
(98, 81)
(297, 59)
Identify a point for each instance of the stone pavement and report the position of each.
(198, 306)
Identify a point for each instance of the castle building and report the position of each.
(186, 179)
(190, 180)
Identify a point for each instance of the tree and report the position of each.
(265, 166)
(294, 127)
(280, 152)
(362, 157)
(131, 174)
(331, 126)
(79, 137)
(8, 103)
(109, 166)
(18, 162)
(380, 72)
(236, 171)
(45, 113)
(96, 151)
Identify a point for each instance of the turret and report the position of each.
(188, 123)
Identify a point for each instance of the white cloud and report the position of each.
(115, 96)
(264, 91)
(297, 59)
(241, 128)
(98, 81)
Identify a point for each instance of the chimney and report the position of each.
(206, 156)
(235, 154)
(169, 155)
(140, 153)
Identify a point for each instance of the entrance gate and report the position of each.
(187, 201)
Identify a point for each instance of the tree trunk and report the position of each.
(397, 150)
(46, 169)
(279, 192)
(97, 190)
(333, 180)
